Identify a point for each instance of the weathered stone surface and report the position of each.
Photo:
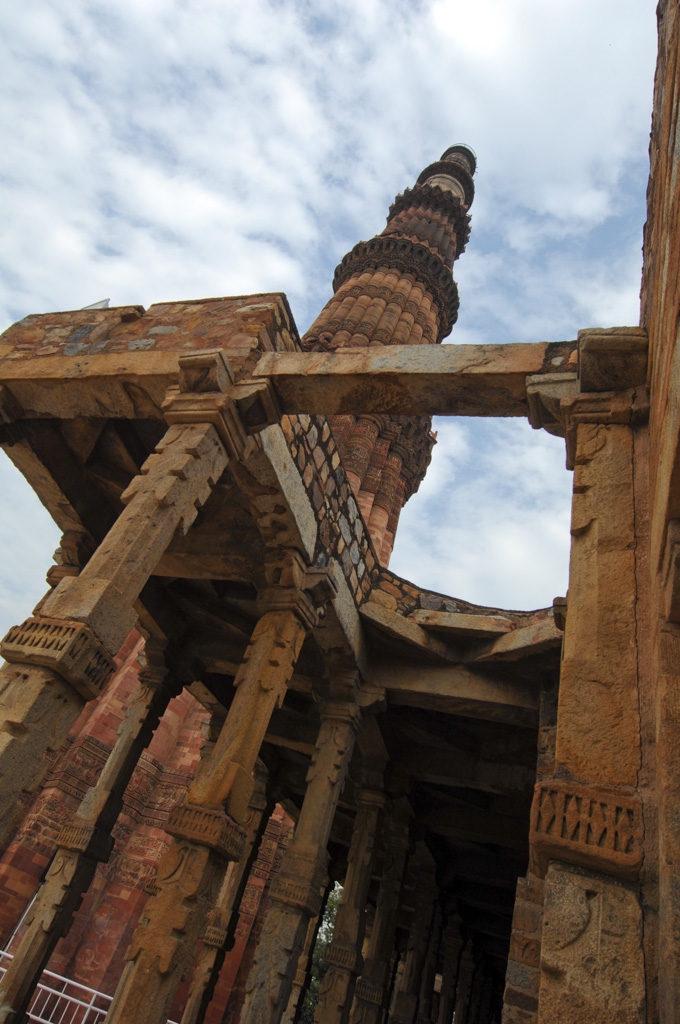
(37, 708)
(296, 890)
(598, 730)
(458, 380)
(533, 639)
(84, 841)
(173, 482)
(459, 622)
(120, 362)
(457, 689)
(612, 359)
(591, 964)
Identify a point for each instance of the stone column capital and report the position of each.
(206, 827)
(295, 586)
(340, 712)
(207, 393)
(629, 407)
(370, 799)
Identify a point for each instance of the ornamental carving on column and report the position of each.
(67, 647)
(591, 826)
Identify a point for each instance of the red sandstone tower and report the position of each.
(398, 289)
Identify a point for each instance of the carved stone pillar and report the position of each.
(87, 840)
(218, 934)
(343, 955)
(372, 987)
(425, 998)
(301, 979)
(207, 838)
(295, 890)
(63, 655)
(478, 983)
(406, 1002)
(486, 996)
(586, 835)
(466, 971)
(452, 941)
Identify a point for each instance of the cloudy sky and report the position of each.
(157, 150)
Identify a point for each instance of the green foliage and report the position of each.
(318, 966)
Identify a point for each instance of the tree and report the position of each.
(318, 964)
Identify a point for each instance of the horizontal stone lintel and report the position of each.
(457, 689)
(442, 380)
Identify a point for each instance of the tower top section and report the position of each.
(453, 173)
(398, 288)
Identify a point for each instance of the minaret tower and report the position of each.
(398, 289)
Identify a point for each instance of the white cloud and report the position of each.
(164, 150)
(491, 523)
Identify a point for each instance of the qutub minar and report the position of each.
(227, 702)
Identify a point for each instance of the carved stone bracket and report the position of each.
(545, 392)
(296, 587)
(612, 359)
(626, 407)
(560, 612)
(67, 647)
(591, 826)
(207, 393)
(296, 894)
(207, 828)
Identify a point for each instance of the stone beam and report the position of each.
(458, 820)
(519, 643)
(458, 768)
(457, 690)
(442, 380)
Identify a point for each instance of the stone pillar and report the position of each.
(87, 840)
(372, 987)
(452, 941)
(295, 890)
(426, 995)
(524, 957)
(406, 1002)
(484, 1012)
(466, 971)
(63, 655)
(343, 955)
(206, 837)
(218, 935)
(586, 823)
(478, 983)
(523, 971)
(301, 979)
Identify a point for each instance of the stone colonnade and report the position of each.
(65, 655)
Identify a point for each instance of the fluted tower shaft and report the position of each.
(397, 289)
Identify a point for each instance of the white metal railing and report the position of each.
(60, 1001)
